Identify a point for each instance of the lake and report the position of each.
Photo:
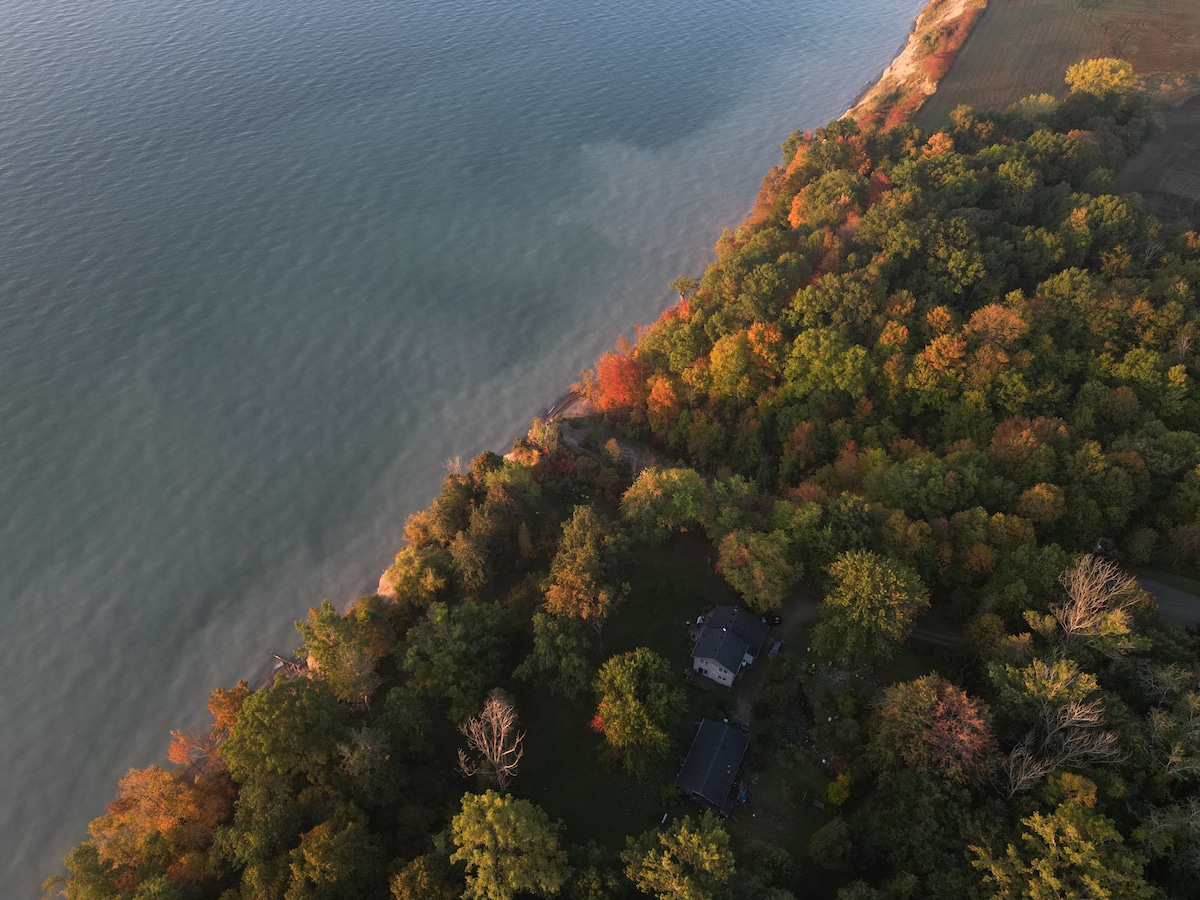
(265, 267)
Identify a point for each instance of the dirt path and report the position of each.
(1174, 605)
(797, 609)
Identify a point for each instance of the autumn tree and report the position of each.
(197, 750)
(691, 860)
(870, 608)
(1058, 704)
(427, 877)
(1099, 604)
(931, 725)
(495, 740)
(638, 705)
(1072, 852)
(1100, 77)
(159, 821)
(508, 846)
(620, 382)
(582, 573)
(758, 567)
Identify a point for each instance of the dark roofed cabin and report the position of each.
(713, 762)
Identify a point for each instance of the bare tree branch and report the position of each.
(493, 736)
(1100, 599)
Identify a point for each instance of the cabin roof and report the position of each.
(713, 761)
(729, 633)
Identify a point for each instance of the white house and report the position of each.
(731, 638)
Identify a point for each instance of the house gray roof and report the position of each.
(723, 646)
(728, 634)
(712, 762)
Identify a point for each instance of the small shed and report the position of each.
(731, 638)
(712, 763)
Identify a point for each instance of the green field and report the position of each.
(1023, 47)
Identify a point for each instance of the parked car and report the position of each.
(771, 619)
(775, 648)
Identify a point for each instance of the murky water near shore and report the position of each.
(265, 266)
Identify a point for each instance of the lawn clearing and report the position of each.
(670, 586)
(561, 771)
(1186, 580)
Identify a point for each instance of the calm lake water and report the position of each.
(265, 266)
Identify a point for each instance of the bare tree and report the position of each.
(1100, 599)
(1175, 733)
(1071, 730)
(1077, 739)
(494, 739)
(1023, 768)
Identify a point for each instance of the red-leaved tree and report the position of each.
(931, 725)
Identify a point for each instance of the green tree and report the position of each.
(291, 728)
(581, 574)
(691, 860)
(267, 819)
(662, 500)
(831, 847)
(418, 574)
(638, 706)
(559, 659)
(825, 368)
(457, 654)
(870, 608)
(345, 650)
(337, 860)
(509, 846)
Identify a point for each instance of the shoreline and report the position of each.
(903, 86)
(870, 84)
(571, 403)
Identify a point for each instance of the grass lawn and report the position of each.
(561, 770)
(670, 586)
